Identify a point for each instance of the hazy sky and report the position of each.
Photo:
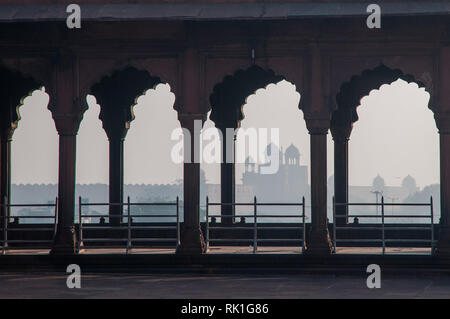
(395, 136)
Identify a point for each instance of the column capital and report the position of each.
(443, 122)
(317, 125)
(187, 119)
(341, 133)
(67, 124)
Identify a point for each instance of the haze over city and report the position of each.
(378, 144)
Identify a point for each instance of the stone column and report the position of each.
(192, 241)
(116, 183)
(227, 176)
(67, 114)
(341, 127)
(319, 239)
(4, 178)
(65, 239)
(443, 123)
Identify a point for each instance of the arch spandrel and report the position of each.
(291, 68)
(216, 69)
(15, 87)
(419, 69)
(93, 70)
(230, 95)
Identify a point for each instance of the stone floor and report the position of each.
(53, 285)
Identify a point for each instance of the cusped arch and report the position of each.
(350, 94)
(229, 96)
(93, 71)
(118, 92)
(14, 88)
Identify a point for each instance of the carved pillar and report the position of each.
(192, 241)
(443, 123)
(5, 188)
(116, 138)
(65, 239)
(341, 127)
(227, 174)
(67, 115)
(319, 238)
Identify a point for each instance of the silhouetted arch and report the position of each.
(351, 92)
(229, 96)
(118, 93)
(14, 88)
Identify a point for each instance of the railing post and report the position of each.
(80, 224)
(5, 227)
(255, 227)
(178, 222)
(55, 219)
(432, 224)
(128, 224)
(382, 224)
(207, 223)
(304, 224)
(334, 225)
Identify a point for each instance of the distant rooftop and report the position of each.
(37, 11)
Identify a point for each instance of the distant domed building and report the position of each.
(410, 184)
(378, 183)
(289, 183)
(292, 155)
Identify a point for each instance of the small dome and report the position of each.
(292, 152)
(409, 183)
(378, 183)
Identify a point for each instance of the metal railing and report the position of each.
(6, 221)
(255, 227)
(129, 226)
(383, 227)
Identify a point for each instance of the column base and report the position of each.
(443, 246)
(319, 243)
(192, 242)
(65, 242)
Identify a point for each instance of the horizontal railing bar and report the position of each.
(361, 240)
(27, 205)
(231, 204)
(31, 229)
(88, 226)
(408, 240)
(228, 240)
(105, 240)
(29, 241)
(385, 216)
(230, 216)
(387, 227)
(153, 239)
(257, 204)
(153, 227)
(280, 239)
(30, 216)
(126, 204)
(279, 204)
(159, 216)
(379, 204)
(280, 216)
(125, 216)
(280, 227)
(360, 228)
(249, 227)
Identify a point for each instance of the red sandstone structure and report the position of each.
(214, 54)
